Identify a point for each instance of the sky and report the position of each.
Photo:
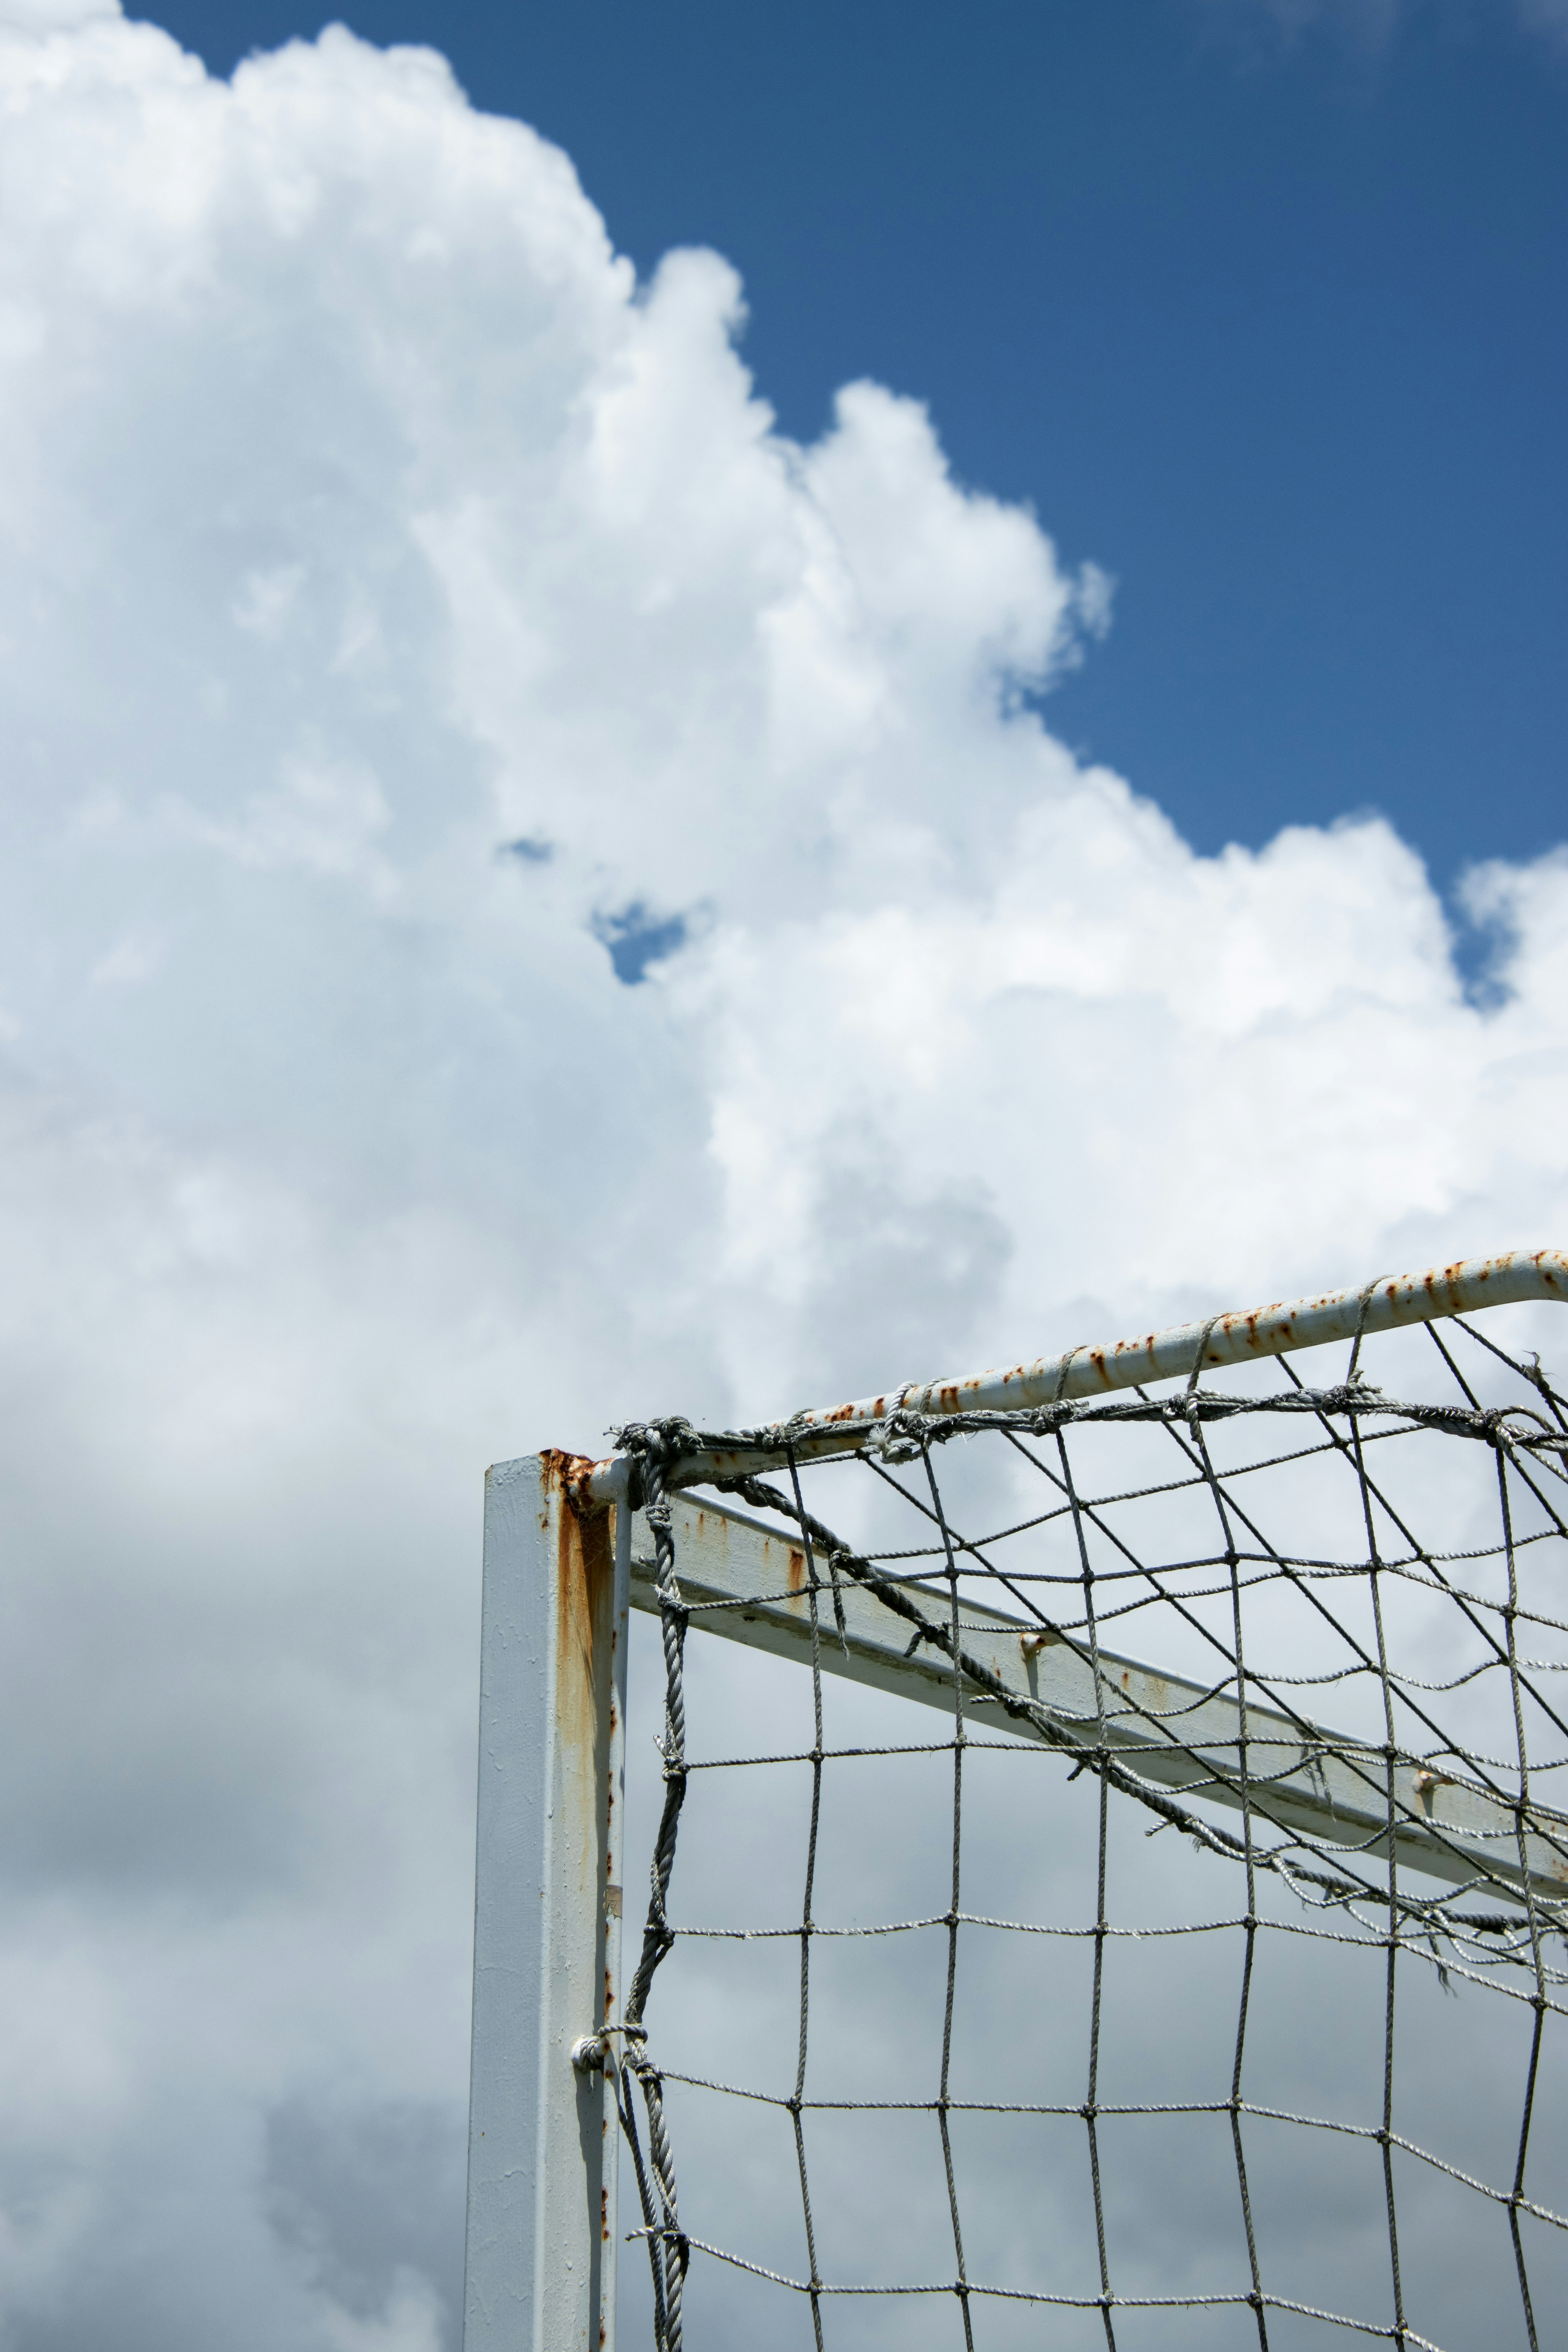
(1256, 305)
(561, 861)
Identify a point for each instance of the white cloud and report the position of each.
(265, 598)
(56, 16)
(323, 816)
(363, 515)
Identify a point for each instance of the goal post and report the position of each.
(1395, 1827)
(544, 2132)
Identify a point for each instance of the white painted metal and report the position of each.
(1240, 1338)
(541, 2133)
(1317, 1782)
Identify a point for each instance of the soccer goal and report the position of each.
(1095, 1840)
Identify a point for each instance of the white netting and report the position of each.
(1126, 2031)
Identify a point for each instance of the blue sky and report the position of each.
(1268, 324)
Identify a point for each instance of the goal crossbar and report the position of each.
(750, 1582)
(1246, 1336)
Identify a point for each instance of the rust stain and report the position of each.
(797, 1571)
(572, 1473)
(585, 1610)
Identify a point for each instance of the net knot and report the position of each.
(1046, 1419)
(657, 1443)
(903, 1437)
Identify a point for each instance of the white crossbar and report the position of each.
(1244, 1337)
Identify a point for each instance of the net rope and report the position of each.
(1341, 1841)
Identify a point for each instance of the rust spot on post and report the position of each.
(585, 1616)
(572, 1473)
(795, 1572)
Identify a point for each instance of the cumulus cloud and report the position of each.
(403, 609)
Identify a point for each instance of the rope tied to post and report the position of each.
(654, 1448)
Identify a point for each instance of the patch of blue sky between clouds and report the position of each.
(637, 939)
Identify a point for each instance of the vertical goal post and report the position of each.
(569, 1548)
(544, 2131)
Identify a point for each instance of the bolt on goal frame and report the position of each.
(571, 1545)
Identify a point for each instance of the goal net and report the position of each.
(1105, 1829)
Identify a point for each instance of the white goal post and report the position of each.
(568, 1551)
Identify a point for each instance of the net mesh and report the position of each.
(1229, 2006)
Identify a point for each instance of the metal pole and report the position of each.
(1462, 1288)
(746, 1582)
(539, 2273)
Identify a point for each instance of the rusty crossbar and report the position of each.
(1242, 1337)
